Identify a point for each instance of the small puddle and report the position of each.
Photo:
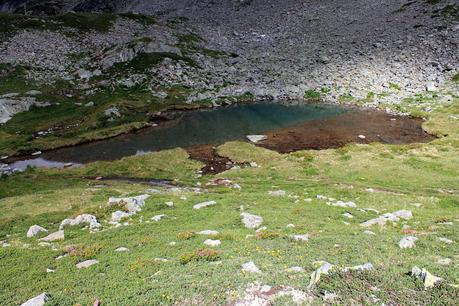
(289, 127)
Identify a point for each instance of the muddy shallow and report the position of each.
(288, 127)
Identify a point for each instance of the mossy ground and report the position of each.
(400, 176)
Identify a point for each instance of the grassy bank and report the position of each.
(422, 178)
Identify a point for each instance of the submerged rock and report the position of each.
(251, 221)
(39, 300)
(35, 230)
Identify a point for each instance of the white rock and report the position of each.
(315, 276)
(86, 263)
(213, 243)
(118, 215)
(369, 233)
(290, 225)
(33, 93)
(444, 261)
(428, 279)
(445, 240)
(277, 193)
(158, 217)
(170, 204)
(251, 221)
(35, 230)
(256, 138)
(204, 204)
(122, 249)
(343, 204)
(250, 267)
(365, 267)
(39, 300)
(348, 215)
(59, 235)
(407, 242)
(304, 237)
(208, 232)
(393, 217)
(295, 269)
(362, 137)
(132, 204)
(84, 218)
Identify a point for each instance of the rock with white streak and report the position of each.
(250, 267)
(39, 300)
(34, 230)
(408, 242)
(204, 204)
(251, 221)
(84, 218)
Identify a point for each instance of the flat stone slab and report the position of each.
(86, 263)
(56, 236)
(204, 204)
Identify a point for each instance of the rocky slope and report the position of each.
(170, 53)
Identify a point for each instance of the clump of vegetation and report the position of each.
(186, 235)
(82, 251)
(394, 86)
(456, 78)
(312, 95)
(200, 255)
(266, 234)
(345, 98)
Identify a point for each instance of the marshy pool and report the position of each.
(289, 127)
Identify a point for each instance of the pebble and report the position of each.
(158, 217)
(122, 249)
